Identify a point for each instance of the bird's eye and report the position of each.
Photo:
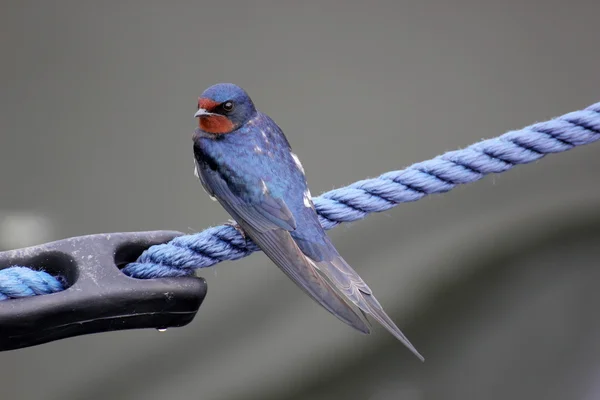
(228, 106)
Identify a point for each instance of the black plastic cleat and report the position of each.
(98, 297)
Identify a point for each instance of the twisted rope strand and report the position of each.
(16, 282)
(184, 254)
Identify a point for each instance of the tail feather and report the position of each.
(351, 285)
(279, 246)
(377, 312)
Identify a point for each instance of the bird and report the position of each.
(245, 162)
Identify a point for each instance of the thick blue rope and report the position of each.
(18, 282)
(184, 254)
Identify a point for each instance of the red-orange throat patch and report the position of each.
(216, 124)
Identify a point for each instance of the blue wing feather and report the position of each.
(262, 211)
(263, 226)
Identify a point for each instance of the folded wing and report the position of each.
(268, 222)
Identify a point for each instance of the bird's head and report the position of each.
(223, 108)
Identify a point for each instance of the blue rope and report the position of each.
(184, 254)
(18, 282)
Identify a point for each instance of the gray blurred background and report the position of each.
(496, 283)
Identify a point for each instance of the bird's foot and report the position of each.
(237, 227)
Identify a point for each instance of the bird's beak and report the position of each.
(201, 112)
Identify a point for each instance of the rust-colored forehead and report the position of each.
(207, 104)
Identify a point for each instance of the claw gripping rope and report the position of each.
(183, 254)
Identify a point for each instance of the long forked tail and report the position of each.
(376, 311)
(351, 285)
(279, 246)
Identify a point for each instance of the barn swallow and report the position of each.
(245, 162)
